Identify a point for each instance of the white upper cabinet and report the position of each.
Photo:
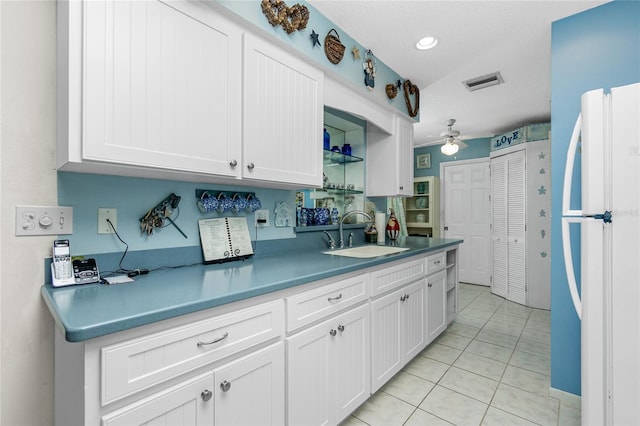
(156, 89)
(151, 84)
(390, 160)
(283, 116)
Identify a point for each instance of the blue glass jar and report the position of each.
(327, 140)
(346, 149)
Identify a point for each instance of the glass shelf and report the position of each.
(343, 191)
(339, 158)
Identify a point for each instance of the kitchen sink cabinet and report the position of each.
(157, 89)
(328, 369)
(398, 322)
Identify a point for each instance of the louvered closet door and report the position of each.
(508, 206)
(516, 208)
(499, 225)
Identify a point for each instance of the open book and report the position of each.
(225, 239)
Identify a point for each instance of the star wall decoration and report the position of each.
(314, 39)
(543, 213)
(542, 171)
(541, 155)
(542, 190)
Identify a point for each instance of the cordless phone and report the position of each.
(61, 266)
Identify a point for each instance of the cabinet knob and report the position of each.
(233, 163)
(403, 297)
(401, 188)
(333, 332)
(341, 328)
(250, 166)
(206, 395)
(225, 386)
(429, 285)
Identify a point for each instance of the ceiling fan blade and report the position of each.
(461, 144)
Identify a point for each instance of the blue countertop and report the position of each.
(87, 311)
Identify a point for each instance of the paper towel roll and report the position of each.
(381, 225)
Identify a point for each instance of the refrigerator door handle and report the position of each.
(568, 263)
(568, 170)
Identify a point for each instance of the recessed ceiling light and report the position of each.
(426, 43)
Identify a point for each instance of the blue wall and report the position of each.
(478, 148)
(133, 197)
(594, 49)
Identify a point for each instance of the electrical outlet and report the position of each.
(43, 220)
(103, 225)
(262, 218)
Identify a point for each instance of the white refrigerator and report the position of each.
(607, 139)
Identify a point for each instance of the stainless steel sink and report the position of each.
(366, 251)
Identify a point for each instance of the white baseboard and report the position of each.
(566, 398)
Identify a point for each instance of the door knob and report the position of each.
(206, 395)
(225, 386)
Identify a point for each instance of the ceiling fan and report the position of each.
(451, 139)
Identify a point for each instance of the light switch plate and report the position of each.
(43, 220)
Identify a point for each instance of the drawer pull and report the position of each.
(224, 336)
(225, 386)
(206, 395)
(332, 299)
(437, 262)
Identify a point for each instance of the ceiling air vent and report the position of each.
(483, 81)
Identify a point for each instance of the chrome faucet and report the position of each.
(346, 215)
(332, 242)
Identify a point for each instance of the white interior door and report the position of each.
(466, 215)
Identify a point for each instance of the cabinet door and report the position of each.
(250, 391)
(436, 304)
(391, 157)
(308, 376)
(405, 158)
(161, 86)
(386, 342)
(185, 404)
(283, 115)
(414, 318)
(351, 357)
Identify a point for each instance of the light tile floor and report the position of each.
(490, 367)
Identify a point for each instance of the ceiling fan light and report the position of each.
(449, 148)
(426, 43)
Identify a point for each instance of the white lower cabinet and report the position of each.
(183, 404)
(246, 364)
(398, 322)
(328, 369)
(220, 397)
(250, 391)
(436, 305)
